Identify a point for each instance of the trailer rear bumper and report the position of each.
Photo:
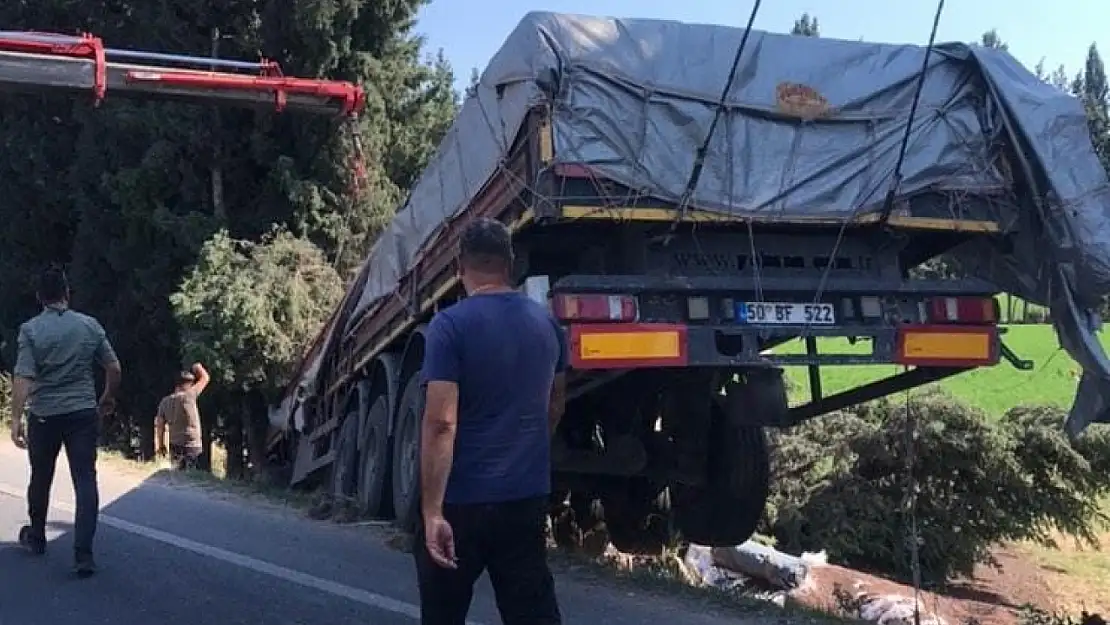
(627, 322)
(595, 346)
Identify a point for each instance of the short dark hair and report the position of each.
(52, 285)
(486, 246)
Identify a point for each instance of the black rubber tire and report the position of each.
(726, 511)
(374, 459)
(589, 516)
(564, 528)
(344, 468)
(406, 455)
(638, 516)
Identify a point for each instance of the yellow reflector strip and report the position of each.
(629, 345)
(947, 345)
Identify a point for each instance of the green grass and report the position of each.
(991, 389)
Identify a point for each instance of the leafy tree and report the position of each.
(1059, 78)
(1076, 85)
(249, 310)
(841, 484)
(1039, 71)
(410, 105)
(1093, 91)
(806, 26)
(127, 193)
(1094, 78)
(990, 39)
(942, 267)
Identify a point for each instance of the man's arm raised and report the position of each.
(202, 378)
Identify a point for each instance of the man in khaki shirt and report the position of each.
(177, 424)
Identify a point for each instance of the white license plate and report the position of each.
(785, 313)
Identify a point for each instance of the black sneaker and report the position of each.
(84, 565)
(32, 541)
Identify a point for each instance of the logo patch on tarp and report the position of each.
(797, 100)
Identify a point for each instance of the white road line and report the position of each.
(357, 595)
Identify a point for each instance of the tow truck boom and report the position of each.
(35, 61)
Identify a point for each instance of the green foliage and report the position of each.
(250, 309)
(990, 39)
(941, 267)
(842, 484)
(806, 26)
(410, 105)
(128, 192)
(1094, 94)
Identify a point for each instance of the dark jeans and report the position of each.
(78, 433)
(184, 458)
(509, 541)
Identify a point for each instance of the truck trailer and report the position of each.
(680, 236)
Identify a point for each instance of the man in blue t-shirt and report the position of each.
(494, 366)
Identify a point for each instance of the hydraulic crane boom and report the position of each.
(34, 61)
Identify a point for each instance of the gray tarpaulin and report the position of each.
(634, 99)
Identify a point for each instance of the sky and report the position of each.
(1059, 31)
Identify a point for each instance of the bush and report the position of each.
(841, 484)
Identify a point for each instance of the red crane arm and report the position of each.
(31, 60)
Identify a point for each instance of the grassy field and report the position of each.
(992, 389)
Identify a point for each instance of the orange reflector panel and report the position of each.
(604, 346)
(946, 346)
(629, 345)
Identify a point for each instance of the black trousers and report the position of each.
(505, 539)
(184, 458)
(78, 433)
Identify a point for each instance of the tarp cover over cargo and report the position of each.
(633, 99)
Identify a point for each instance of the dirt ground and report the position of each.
(1078, 578)
(1065, 580)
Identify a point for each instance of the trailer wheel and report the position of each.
(406, 456)
(589, 517)
(726, 511)
(374, 458)
(344, 469)
(638, 517)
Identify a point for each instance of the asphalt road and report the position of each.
(177, 555)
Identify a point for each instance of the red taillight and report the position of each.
(962, 310)
(595, 307)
